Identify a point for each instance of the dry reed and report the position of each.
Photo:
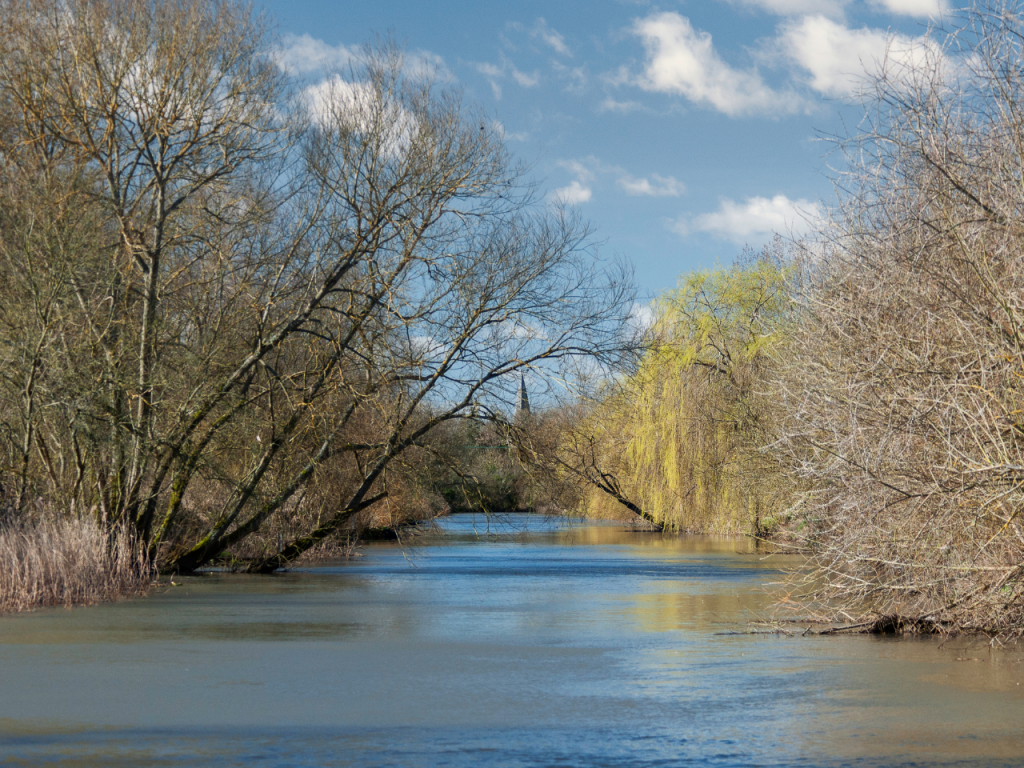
(68, 562)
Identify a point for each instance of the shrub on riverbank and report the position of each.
(892, 418)
(68, 562)
(903, 394)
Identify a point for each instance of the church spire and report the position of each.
(522, 399)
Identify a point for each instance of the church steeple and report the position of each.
(522, 399)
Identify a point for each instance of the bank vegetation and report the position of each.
(857, 394)
(243, 313)
(246, 315)
(68, 561)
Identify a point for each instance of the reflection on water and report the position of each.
(521, 642)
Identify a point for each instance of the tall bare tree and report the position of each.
(282, 285)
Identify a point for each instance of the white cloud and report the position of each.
(524, 79)
(301, 54)
(836, 8)
(495, 73)
(427, 65)
(514, 136)
(640, 319)
(754, 219)
(580, 190)
(573, 194)
(335, 96)
(611, 105)
(422, 349)
(305, 54)
(797, 7)
(584, 171)
(491, 70)
(576, 77)
(550, 37)
(683, 60)
(919, 8)
(656, 186)
(358, 106)
(839, 59)
(619, 76)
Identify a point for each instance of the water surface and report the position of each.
(519, 642)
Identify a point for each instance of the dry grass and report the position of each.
(67, 562)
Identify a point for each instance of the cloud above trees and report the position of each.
(837, 8)
(835, 60)
(302, 54)
(682, 60)
(755, 219)
(655, 186)
(818, 53)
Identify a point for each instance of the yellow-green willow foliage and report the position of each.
(693, 423)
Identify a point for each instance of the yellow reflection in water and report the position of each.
(671, 605)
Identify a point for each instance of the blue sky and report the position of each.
(681, 130)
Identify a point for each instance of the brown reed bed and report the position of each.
(68, 562)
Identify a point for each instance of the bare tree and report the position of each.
(292, 286)
(144, 112)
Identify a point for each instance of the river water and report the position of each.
(523, 641)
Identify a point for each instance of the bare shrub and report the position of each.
(903, 392)
(68, 562)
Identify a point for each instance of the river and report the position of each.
(523, 641)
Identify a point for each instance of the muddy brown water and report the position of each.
(516, 642)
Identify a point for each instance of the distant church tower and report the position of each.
(522, 400)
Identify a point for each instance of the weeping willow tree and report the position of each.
(685, 437)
